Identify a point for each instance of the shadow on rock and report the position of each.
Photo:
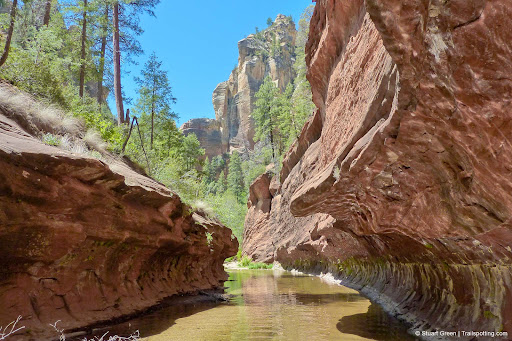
(376, 324)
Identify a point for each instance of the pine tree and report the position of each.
(287, 126)
(221, 183)
(104, 19)
(155, 93)
(125, 14)
(117, 64)
(47, 12)
(236, 177)
(83, 49)
(265, 115)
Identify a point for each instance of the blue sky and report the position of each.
(197, 42)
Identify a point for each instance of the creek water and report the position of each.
(271, 305)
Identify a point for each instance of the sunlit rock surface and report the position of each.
(401, 182)
(269, 53)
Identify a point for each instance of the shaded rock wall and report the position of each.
(84, 240)
(269, 53)
(407, 157)
(207, 132)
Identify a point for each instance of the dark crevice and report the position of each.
(470, 21)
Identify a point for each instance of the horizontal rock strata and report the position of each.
(84, 240)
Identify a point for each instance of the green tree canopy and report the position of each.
(236, 178)
(155, 96)
(265, 115)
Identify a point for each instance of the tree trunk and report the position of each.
(102, 58)
(152, 115)
(117, 66)
(9, 33)
(47, 12)
(82, 54)
(271, 133)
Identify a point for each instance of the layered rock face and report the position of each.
(268, 53)
(208, 134)
(401, 184)
(84, 240)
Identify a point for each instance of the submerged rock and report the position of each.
(84, 240)
(400, 184)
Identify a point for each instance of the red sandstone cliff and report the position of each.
(84, 240)
(401, 182)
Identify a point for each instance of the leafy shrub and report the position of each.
(256, 265)
(51, 140)
(245, 261)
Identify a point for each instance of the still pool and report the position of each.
(271, 305)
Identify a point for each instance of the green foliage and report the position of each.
(155, 92)
(51, 140)
(265, 115)
(209, 239)
(256, 265)
(229, 210)
(246, 262)
(191, 151)
(43, 61)
(280, 115)
(269, 22)
(236, 184)
(46, 62)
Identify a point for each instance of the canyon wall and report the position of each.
(270, 52)
(208, 133)
(400, 185)
(84, 240)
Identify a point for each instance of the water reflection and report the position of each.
(271, 305)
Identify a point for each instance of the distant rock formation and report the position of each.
(270, 52)
(400, 185)
(84, 240)
(208, 133)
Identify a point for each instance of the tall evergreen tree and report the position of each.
(155, 92)
(47, 12)
(125, 14)
(302, 102)
(236, 177)
(117, 64)
(83, 47)
(104, 19)
(265, 115)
